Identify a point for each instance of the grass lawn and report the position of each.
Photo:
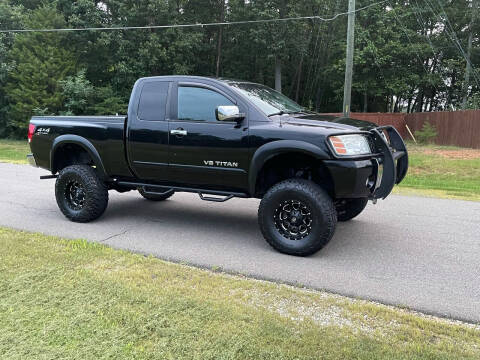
(439, 171)
(71, 299)
(14, 151)
(444, 171)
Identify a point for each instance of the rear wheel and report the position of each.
(80, 193)
(297, 217)
(347, 209)
(155, 197)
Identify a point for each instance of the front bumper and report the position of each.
(31, 160)
(375, 176)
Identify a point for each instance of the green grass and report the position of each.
(443, 171)
(72, 299)
(430, 173)
(14, 151)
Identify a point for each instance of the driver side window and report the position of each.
(196, 103)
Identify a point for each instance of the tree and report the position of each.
(10, 17)
(410, 55)
(77, 92)
(41, 61)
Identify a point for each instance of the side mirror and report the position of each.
(229, 113)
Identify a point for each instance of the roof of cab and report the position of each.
(222, 80)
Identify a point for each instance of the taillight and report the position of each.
(31, 131)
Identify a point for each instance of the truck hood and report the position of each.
(327, 122)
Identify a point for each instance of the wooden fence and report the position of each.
(459, 128)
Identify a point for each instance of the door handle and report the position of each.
(179, 132)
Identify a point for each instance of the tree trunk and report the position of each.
(397, 104)
(299, 79)
(420, 102)
(219, 37)
(414, 105)
(278, 74)
(365, 101)
(450, 90)
(432, 101)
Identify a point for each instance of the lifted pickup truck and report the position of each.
(221, 139)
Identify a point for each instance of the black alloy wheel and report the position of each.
(81, 194)
(75, 195)
(293, 219)
(297, 217)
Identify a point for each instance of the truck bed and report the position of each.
(106, 134)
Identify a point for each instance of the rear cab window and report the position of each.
(153, 101)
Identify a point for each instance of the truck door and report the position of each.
(147, 133)
(205, 152)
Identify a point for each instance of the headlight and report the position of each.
(350, 145)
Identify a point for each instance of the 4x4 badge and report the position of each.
(43, 131)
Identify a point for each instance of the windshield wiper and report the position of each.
(281, 112)
(291, 112)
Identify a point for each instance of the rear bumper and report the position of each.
(31, 160)
(373, 177)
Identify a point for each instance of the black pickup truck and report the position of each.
(221, 139)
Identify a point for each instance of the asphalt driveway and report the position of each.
(423, 253)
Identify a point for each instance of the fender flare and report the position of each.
(83, 143)
(274, 148)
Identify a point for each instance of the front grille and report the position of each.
(372, 144)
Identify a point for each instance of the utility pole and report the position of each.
(468, 68)
(219, 39)
(347, 89)
(278, 60)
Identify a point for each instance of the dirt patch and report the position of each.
(463, 154)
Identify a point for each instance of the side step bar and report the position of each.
(201, 192)
(155, 192)
(44, 177)
(214, 199)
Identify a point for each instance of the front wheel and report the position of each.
(81, 195)
(297, 217)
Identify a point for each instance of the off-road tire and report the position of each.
(95, 193)
(347, 209)
(156, 197)
(321, 210)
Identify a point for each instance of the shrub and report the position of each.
(77, 91)
(427, 134)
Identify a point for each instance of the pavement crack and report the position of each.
(114, 235)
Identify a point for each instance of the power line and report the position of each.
(312, 78)
(423, 24)
(316, 17)
(404, 29)
(315, 57)
(453, 37)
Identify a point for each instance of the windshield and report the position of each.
(271, 102)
